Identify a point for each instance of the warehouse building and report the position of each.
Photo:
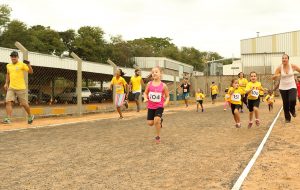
(263, 54)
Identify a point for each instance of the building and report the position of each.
(263, 54)
(215, 68)
(170, 67)
(233, 69)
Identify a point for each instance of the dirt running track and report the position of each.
(198, 151)
(278, 167)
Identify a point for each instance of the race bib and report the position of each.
(184, 90)
(255, 93)
(236, 97)
(155, 96)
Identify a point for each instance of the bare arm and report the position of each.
(6, 82)
(30, 71)
(276, 74)
(296, 68)
(146, 93)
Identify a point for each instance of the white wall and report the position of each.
(228, 71)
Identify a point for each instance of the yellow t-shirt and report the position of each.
(269, 98)
(119, 84)
(227, 97)
(136, 83)
(253, 94)
(243, 83)
(236, 95)
(16, 75)
(199, 96)
(214, 89)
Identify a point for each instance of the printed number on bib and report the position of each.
(184, 90)
(155, 96)
(236, 97)
(255, 93)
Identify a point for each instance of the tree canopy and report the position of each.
(89, 43)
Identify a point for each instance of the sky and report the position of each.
(207, 25)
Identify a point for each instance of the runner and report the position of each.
(270, 100)
(236, 93)
(199, 99)
(287, 86)
(135, 87)
(157, 96)
(226, 99)
(252, 89)
(243, 83)
(185, 90)
(120, 84)
(214, 90)
(16, 87)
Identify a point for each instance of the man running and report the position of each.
(16, 87)
(135, 87)
(185, 90)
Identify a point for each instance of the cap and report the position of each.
(14, 54)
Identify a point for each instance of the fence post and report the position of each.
(114, 88)
(79, 83)
(175, 91)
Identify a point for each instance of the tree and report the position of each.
(5, 11)
(90, 45)
(68, 38)
(15, 31)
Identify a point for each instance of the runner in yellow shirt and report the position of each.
(226, 99)
(214, 92)
(120, 84)
(135, 86)
(243, 83)
(199, 99)
(16, 87)
(236, 93)
(270, 100)
(252, 89)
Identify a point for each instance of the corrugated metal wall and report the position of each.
(288, 42)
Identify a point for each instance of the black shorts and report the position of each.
(155, 113)
(235, 106)
(252, 104)
(214, 96)
(136, 96)
(200, 101)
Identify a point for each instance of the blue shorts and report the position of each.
(185, 95)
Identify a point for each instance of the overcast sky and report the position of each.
(208, 25)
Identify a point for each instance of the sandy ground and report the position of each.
(278, 167)
(198, 151)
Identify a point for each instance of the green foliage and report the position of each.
(88, 43)
(4, 15)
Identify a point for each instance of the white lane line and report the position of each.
(243, 176)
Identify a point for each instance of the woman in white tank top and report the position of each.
(287, 86)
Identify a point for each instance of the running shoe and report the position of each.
(238, 125)
(241, 111)
(121, 117)
(294, 114)
(250, 125)
(157, 139)
(30, 119)
(225, 109)
(6, 121)
(257, 122)
(202, 110)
